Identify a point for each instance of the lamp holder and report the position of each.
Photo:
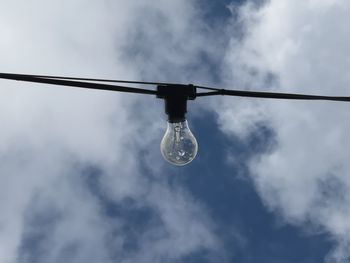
(175, 97)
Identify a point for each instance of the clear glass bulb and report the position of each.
(178, 145)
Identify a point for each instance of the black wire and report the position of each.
(105, 80)
(68, 81)
(272, 95)
(212, 93)
(77, 84)
(90, 79)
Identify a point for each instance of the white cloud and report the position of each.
(48, 134)
(302, 47)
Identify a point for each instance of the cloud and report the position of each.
(69, 157)
(302, 47)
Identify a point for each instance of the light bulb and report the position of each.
(178, 145)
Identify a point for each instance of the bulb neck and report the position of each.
(183, 124)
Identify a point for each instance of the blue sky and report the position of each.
(82, 177)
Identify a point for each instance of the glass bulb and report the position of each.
(178, 145)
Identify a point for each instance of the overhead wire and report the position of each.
(273, 95)
(92, 83)
(76, 84)
(90, 79)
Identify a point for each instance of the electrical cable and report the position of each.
(90, 79)
(272, 95)
(77, 84)
(89, 84)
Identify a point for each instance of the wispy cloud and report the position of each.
(51, 139)
(302, 47)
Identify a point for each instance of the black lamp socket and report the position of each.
(175, 97)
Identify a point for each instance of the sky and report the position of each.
(82, 177)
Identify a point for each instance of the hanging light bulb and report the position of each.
(178, 145)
